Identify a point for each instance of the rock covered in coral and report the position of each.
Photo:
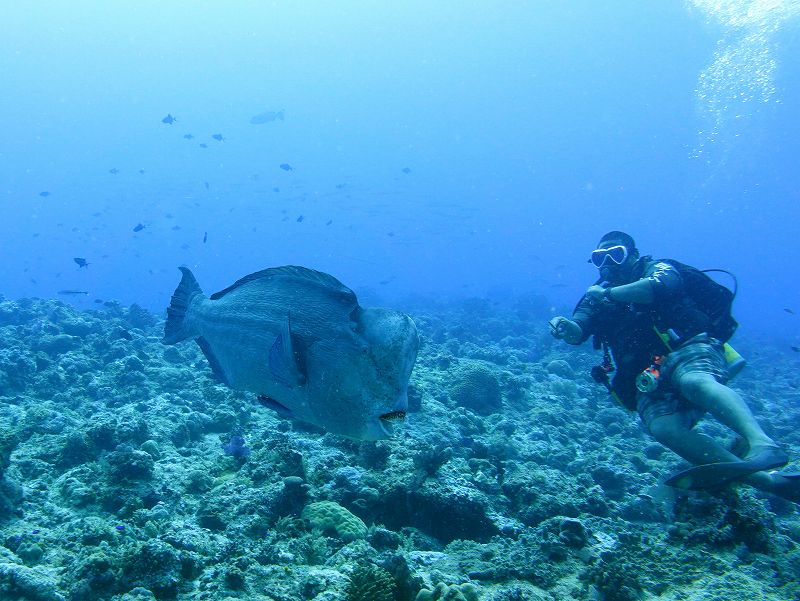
(370, 583)
(331, 518)
(474, 385)
(453, 592)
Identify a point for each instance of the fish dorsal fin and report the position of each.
(308, 276)
(283, 362)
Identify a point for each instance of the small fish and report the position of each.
(266, 117)
(789, 311)
(73, 292)
(188, 136)
(138, 228)
(329, 222)
(141, 171)
(169, 119)
(175, 228)
(276, 190)
(113, 171)
(236, 447)
(796, 349)
(406, 170)
(205, 237)
(44, 194)
(203, 145)
(207, 185)
(286, 167)
(218, 137)
(300, 219)
(81, 262)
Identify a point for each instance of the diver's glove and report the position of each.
(565, 329)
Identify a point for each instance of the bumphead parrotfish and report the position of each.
(299, 339)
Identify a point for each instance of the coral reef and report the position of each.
(127, 473)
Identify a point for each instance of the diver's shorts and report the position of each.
(651, 405)
(699, 354)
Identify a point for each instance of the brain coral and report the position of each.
(454, 592)
(332, 518)
(474, 385)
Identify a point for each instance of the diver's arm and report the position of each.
(661, 282)
(640, 292)
(580, 327)
(563, 328)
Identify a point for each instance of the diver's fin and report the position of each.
(175, 329)
(711, 475)
(283, 362)
(715, 475)
(216, 368)
(787, 485)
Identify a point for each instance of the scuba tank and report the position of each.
(734, 360)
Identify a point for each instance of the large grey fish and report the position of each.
(299, 339)
(266, 117)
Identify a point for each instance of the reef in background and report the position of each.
(127, 473)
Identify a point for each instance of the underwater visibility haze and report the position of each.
(438, 175)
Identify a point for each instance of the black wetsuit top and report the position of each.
(628, 328)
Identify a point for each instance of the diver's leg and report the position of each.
(725, 404)
(696, 448)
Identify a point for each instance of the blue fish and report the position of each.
(218, 137)
(285, 166)
(266, 117)
(139, 227)
(299, 339)
(169, 119)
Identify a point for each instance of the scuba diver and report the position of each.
(666, 326)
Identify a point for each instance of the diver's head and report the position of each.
(615, 256)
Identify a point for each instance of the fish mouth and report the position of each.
(392, 417)
(387, 421)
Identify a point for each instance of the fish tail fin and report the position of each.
(176, 328)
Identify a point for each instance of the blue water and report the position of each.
(527, 130)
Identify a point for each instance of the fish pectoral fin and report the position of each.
(213, 362)
(271, 403)
(283, 362)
